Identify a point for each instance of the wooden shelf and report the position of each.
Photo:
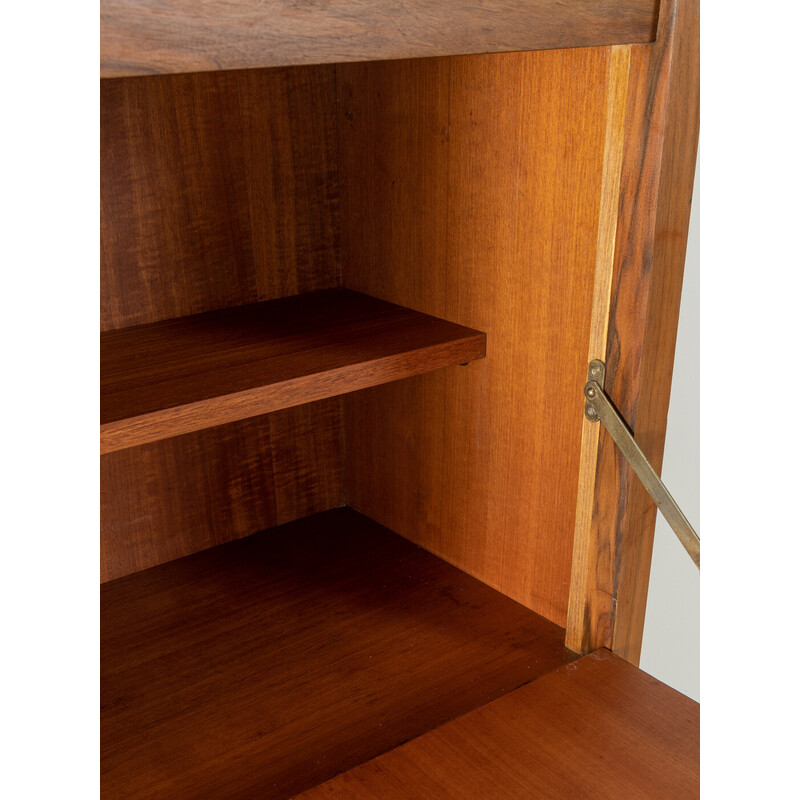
(182, 375)
(595, 728)
(263, 667)
(147, 37)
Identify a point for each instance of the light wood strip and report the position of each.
(618, 72)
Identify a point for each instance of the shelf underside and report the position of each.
(187, 374)
(263, 667)
(146, 37)
(597, 728)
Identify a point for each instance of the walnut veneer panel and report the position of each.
(150, 36)
(174, 497)
(186, 374)
(262, 667)
(597, 728)
(217, 189)
(471, 190)
(613, 545)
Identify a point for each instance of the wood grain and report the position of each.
(168, 499)
(471, 190)
(152, 36)
(183, 375)
(655, 198)
(217, 190)
(582, 549)
(596, 729)
(263, 667)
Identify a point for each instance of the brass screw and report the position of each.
(596, 371)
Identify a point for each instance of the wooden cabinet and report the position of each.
(356, 258)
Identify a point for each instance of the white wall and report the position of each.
(671, 645)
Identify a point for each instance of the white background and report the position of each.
(671, 643)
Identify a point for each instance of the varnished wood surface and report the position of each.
(217, 190)
(595, 729)
(471, 190)
(657, 177)
(670, 232)
(168, 499)
(182, 375)
(265, 666)
(583, 551)
(151, 36)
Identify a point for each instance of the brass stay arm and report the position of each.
(600, 409)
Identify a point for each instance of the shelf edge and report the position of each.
(164, 424)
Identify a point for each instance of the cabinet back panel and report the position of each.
(177, 496)
(217, 189)
(471, 190)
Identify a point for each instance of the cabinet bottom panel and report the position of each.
(263, 667)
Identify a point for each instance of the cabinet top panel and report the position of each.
(144, 37)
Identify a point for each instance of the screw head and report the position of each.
(591, 412)
(596, 371)
(590, 392)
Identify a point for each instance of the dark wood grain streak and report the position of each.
(152, 36)
(655, 200)
(595, 729)
(216, 190)
(263, 667)
(168, 499)
(471, 190)
(182, 375)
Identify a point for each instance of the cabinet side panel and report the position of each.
(217, 189)
(660, 150)
(671, 227)
(471, 190)
(175, 497)
(589, 560)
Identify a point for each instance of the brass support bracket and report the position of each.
(599, 408)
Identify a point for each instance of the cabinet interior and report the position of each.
(346, 313)
(467, 188)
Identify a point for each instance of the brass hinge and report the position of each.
(599, 408)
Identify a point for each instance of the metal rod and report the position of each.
(604, 411)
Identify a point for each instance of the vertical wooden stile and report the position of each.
(612, 552)
(584, 555)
